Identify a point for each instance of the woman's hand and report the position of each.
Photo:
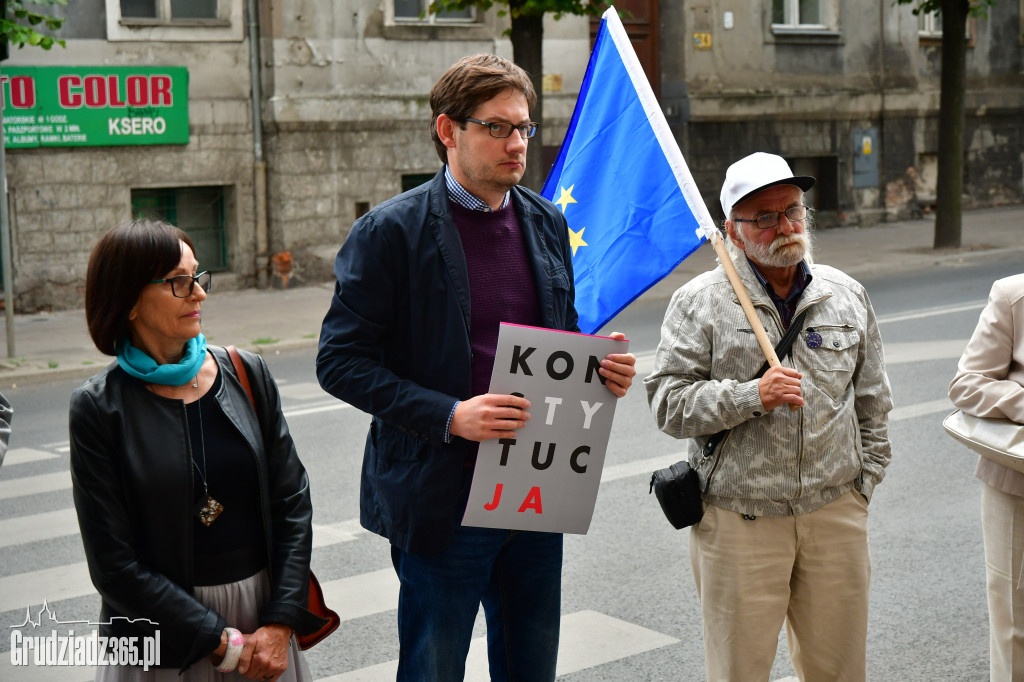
(265, 654)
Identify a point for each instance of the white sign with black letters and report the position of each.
(546, 477)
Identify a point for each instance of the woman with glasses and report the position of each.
(193, 505)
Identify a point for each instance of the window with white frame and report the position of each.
(175, 20)
(797, 14)
(168, 10)
(417, 12)
(930, 24)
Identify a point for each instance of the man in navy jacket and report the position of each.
(422, 282)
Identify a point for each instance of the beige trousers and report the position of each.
(811, 571)
(1002, 523)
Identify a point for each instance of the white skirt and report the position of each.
(239, 604)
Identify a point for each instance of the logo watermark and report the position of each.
(62, 647)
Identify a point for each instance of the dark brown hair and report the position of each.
(123, 262)
(470, 82)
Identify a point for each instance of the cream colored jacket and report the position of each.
(990, 377)
(779, 462)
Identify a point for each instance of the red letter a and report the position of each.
(532, 501)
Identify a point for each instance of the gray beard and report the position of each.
(774, 255)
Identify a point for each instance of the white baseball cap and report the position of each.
(756, 172)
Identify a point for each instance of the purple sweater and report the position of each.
(501, 283)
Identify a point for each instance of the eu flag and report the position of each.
(622, 184)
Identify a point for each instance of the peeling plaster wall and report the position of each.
(348, 111)
(802, 96)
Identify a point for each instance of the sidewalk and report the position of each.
(53, 346)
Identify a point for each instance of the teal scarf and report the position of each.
(141, 366)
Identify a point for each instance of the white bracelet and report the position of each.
(233, 652)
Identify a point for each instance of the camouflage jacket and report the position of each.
(779, 462)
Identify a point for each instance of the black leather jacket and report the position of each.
(133, 481)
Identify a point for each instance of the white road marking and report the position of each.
(363, 595)
(304, 390)
(23, 455)
(34, 485)
(932, 312)
(45, 584)
(31, 673)
(35, 527)
(315, 409)
(588, 639)
(334, 533)
(921, 409)
(920, 351)
(641, 466)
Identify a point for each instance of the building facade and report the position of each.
(846, 92)
(269, 192)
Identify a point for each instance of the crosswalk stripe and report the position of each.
(358, 596)
(921, 409)
(48, 525)
(588, 639)
(34, 485)
(642, 466)
(362, 595)
(334, 533)
(54, 524)
(920, 351)
(315, 409)
(31, 673)
(932, 312)
(24, 455)
(302, 390)
(22, 590)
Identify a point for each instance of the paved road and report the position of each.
(629, 609)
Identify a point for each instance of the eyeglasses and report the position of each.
(767, 221)
(182, 285)
(500, 129)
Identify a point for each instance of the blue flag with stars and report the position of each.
(622, 184)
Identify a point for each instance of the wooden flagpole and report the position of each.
(748, 308)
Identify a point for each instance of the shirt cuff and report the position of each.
(448, 427)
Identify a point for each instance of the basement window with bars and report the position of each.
(199, 211)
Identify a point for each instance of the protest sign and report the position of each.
(546, 477)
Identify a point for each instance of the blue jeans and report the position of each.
(517, 575)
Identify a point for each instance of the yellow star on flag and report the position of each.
(566, 197)
(576, 239)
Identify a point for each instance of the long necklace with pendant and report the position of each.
(211, 508)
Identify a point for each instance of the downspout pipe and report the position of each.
(259, 169)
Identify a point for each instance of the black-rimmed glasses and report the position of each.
(766, 221)
(502, 129)
(182, 285)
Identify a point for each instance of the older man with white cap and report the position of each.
(784, 532)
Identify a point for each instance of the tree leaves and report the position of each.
(19, 28)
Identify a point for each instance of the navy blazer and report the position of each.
(395, 343)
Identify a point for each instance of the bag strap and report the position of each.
(781, 350)
(241, 373)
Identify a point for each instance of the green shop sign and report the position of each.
(93, 106)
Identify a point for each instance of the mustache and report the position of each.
(784, 240)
